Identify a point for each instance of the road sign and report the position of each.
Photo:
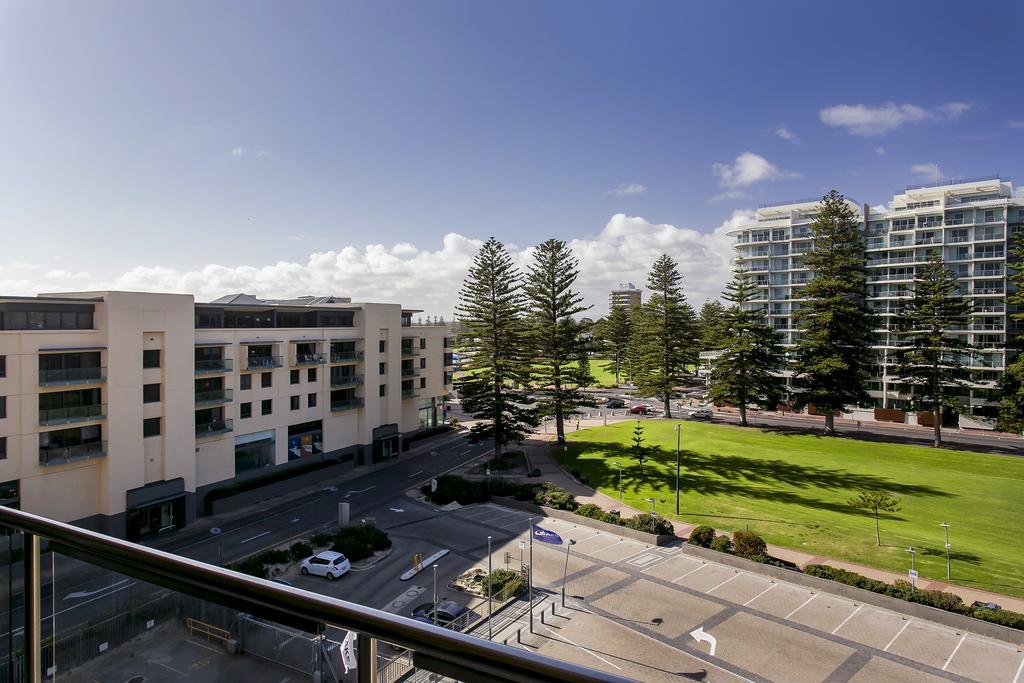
(912, 573)
(522, 545)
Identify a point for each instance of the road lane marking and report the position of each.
(1019, 669)
(608, 546)
(886, 648)
(836, 629)
(725, 582)
(415, 473)
(560, 637)
(760, 594)
(86, 594)
(253, 538)
(953, 653)
(801, 606)
(703, 564)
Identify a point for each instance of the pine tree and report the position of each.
(615, 332)
(931, 359)
(833, 356)
(1011, 406)
(749, 369)
(710, 324)
(491, 308)
(664, 338)
(639, 451)
(557, 340)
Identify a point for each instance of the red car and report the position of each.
(643, 410)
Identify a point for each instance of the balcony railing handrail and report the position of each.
(73, 413)
(214, 396)
(59, 455)
(214, 365)
(89, 375)
(482, 659)
(346, 380)
(342, 356)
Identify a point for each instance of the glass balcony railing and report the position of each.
(60, 416)
(346, 404)
(410, 393)
(206, 398)
(61, 455)
(262, 362)
(410, 372)
(68, 376)
(341, 381)
(157, 602)
(310, 359)
(214, 427)
(346, 356)
(214, 366)
(408, 352)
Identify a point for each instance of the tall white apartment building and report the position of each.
(133, 413)
(971, 222)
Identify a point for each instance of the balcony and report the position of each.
(214, 427)
(214, 366)
(64, 416)
(213, 397)
(346, 404)
(263, 362)
(70, 376)
(409, 352)
(53, 455)
(188, 586)
(410, 372)
(410, 393)
(342, 381)
(346, 356)
(310, 359)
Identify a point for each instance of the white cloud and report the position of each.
(861, 119)
(237, 151)
(423, 278)
(729, 195)
(747, 169)
(625, 189)
(880, 151)
(930, 171)
(1015, 123)
(787, 134)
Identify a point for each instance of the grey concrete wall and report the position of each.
(572, 517)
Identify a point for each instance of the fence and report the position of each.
(286, 647)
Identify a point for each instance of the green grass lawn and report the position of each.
(792, 490)
(602, 370)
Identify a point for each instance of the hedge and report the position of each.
(702, 536)
(359, 542)
(451, 488)
(275, 475)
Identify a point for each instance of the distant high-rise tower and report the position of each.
(625, 295)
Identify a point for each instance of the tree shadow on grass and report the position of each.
(736, 476)
(954, 555)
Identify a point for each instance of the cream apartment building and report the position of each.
(125, 411)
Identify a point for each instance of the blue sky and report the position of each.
(214, 147)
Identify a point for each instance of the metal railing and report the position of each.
(205, 398)
(214, 427)
(55, 416)
(346, 356)
(341, 381)
(68, 376)
(410, 372)
(61, 455)
(452, 654)
(214, 366)
(346, 404)
(310, 358)
(410, 393)
(260, 362)
(409, 351)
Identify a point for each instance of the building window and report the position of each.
(3, 447)
(3, 407)
(423, 342)
(382, 390)
(423, 362)
(382, 369)
(245, 382)
(245, 411)
(151, 358)
(266, 379)
(151, 427)
(294, 401)
(423, 382)
(150, 393)
(293, 377)
(311, 375)
(311, 401)
(267, 406)
(3, 366)
(382, 346)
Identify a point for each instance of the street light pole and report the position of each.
(913, 567)
(678, 432)
(651, 501)
(529, 576)
(945, 527)
(435, 596)
(565, 572)
(619, 468)
(490, 614)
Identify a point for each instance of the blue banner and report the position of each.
(545, 536)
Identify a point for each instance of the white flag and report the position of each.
(348, 653)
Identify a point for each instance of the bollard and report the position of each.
(519, 636)
(542, 618)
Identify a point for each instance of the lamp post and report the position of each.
(678, 432)
(565, 572)
(619, 467)
(434, 611)
(651, 501)
(529, 577)
(913, 567)
(490, 632)
(945, 527)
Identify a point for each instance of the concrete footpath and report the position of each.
(539, 452)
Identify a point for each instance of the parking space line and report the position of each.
(760, 594)
(515, 523)
(724, 582)
(836, 629)
(627, 558)
(582, 648)
(702, 565)
(953, 653)
(608, 546)
(1019, 669)
(802, 606)
(886, 648)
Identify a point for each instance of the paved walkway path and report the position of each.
(539, 450)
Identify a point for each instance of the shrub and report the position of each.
(322, 538)
(300, 550)
(722, 544)
(359, 542)
(650, 524)
(575, 474)
(502, 578)
(253, 566)
(702, 536)
(592, 511)
(451, 488)
(276, 557)
(1000, 616)
(749, 545)
(904, 590)
(555, 497)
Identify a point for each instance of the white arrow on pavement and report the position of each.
(702, 636)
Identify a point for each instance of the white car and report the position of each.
(327, 563)
(702, 413)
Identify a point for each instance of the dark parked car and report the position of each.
(446, 613)
(615, 403)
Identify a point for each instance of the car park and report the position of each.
(327, 563)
